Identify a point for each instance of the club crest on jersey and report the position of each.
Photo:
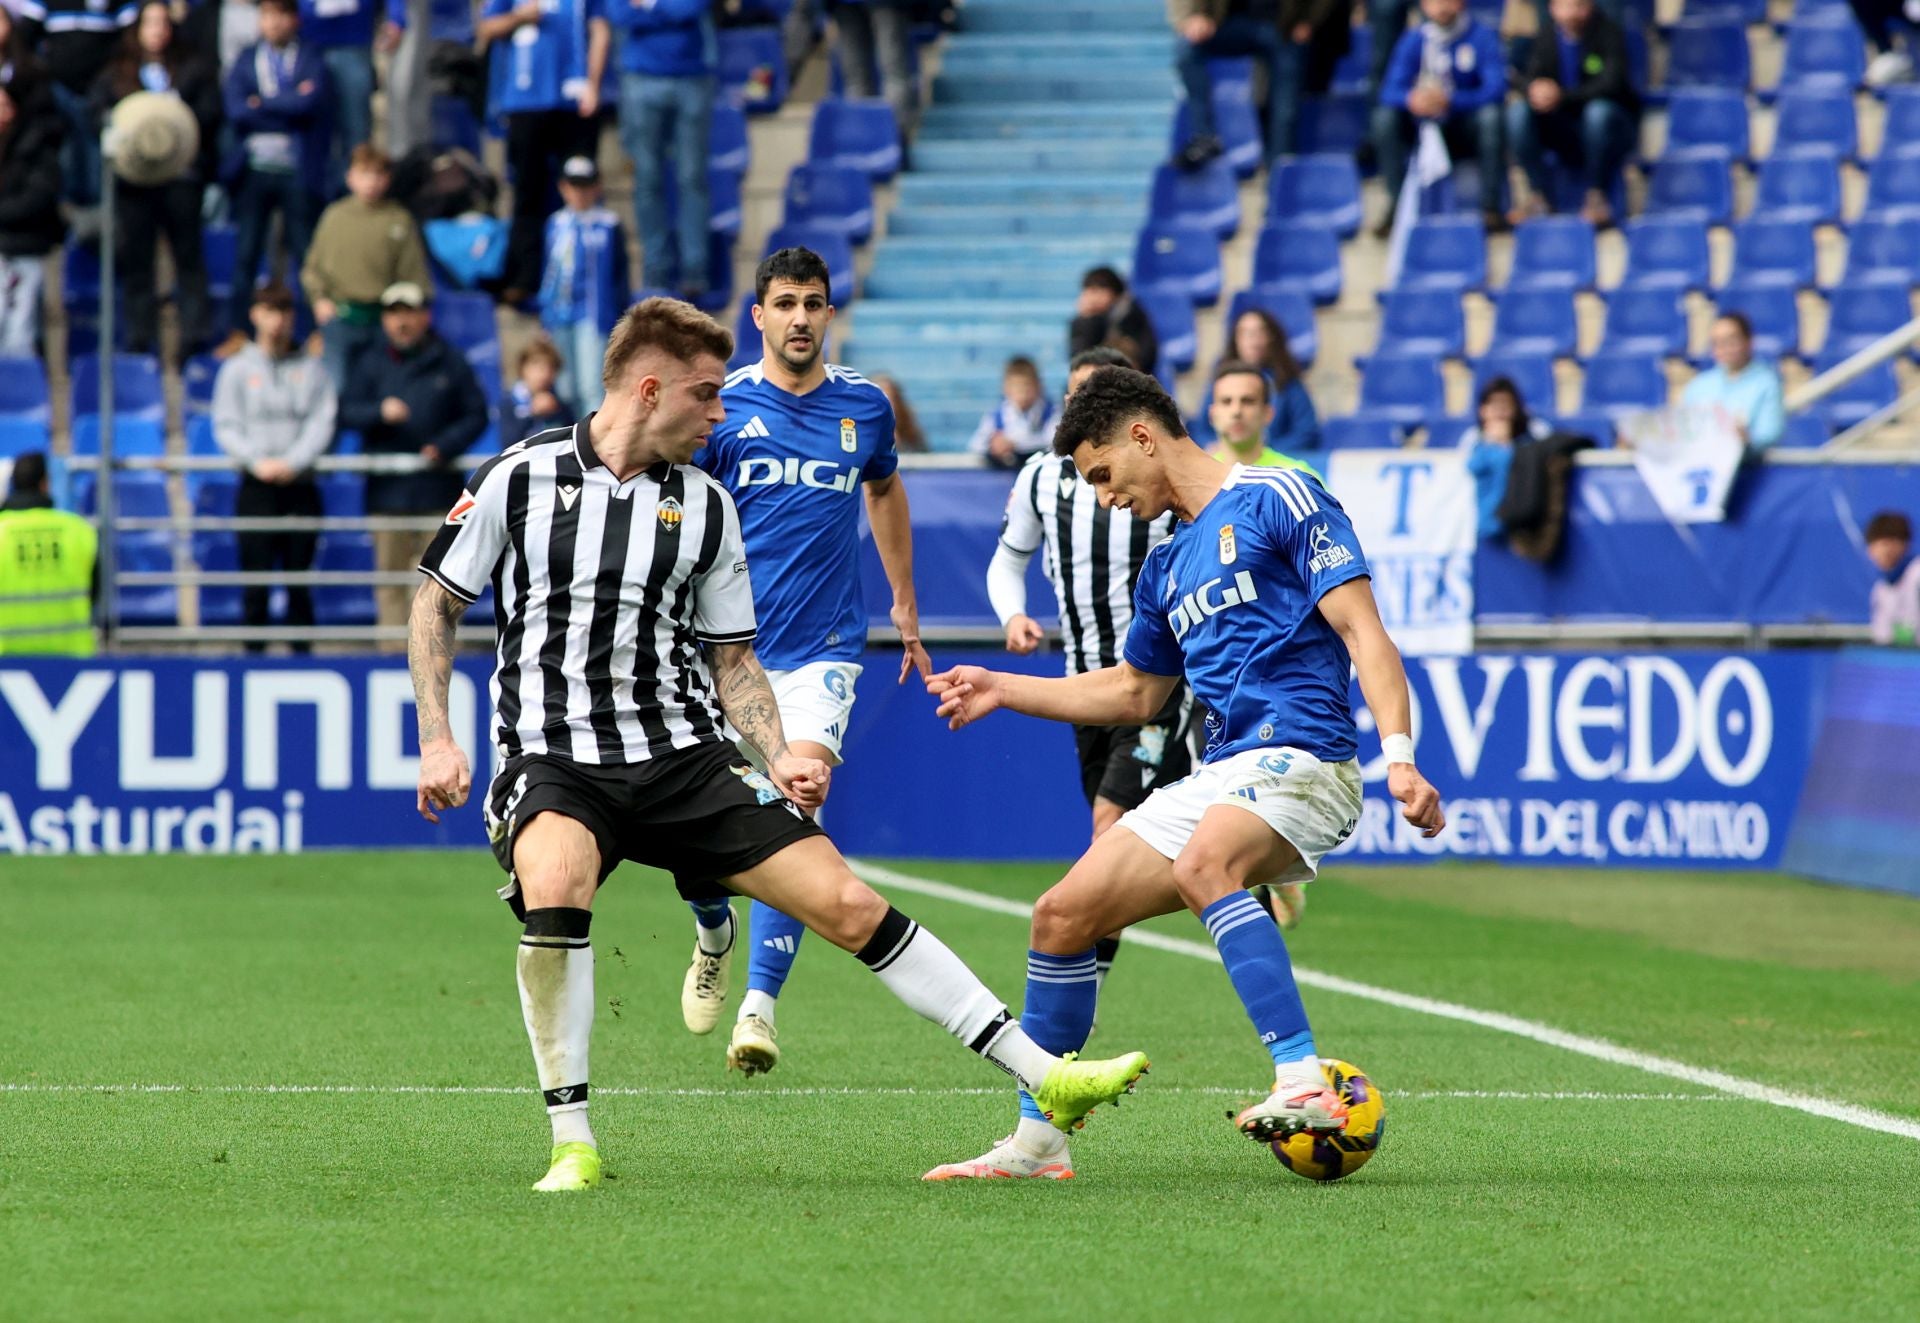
(1228, 550)
(670, 515)
(461, 509)
(1327, 554)
(849, 436)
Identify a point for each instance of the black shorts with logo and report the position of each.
(702, 814)
(1125, 764)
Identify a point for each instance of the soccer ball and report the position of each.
(1329, 1157)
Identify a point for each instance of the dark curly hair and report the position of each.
(1108, 400)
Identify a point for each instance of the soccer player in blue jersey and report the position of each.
(1261, 599)
(803, 443)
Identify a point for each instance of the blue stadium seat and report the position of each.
(1825, 54)
(1334, 123)
(1231, 76)
(132, 435)
(1805, 431)
(452, 124)
(1858, 314)
(1648, 320)
(860, 134)
(728, 148)
(1531, 374)
(1900, 128)
(747, 347)
(1619, 382)
(1350, 71)
(1708, 52)
(1422, 321)
(1445, 252)
(18, 435)
(1237, 126)
(1893, 180)
(136, 386)
(753, 68)
(1300, 256)
(146, 553)
(1699, 185)
(23, 388)
(80, 275)
(1535, 321)
(1366, 431)
(1816, 119)
(1171, 314)
(200, 438)
(1321, 190)
(1772, 309)
(1748, 12)
(1804, 188)
(1666, 252)
(198, 376)
(1591, 423)
(1292, 309)
(1209, 196)
(1552, 252)
(1445, 433)
(833, 198)
(344, 604)
(342, 495)
(724, 209)
(214, 494)
(218, 553)
(138, 494)
(219, 246)
(1884, 248)
(1180, 256)
(1707, 120)
(465, 319)
(1872, 390)
(1403, 387)
(1767, 251)
(833, 249)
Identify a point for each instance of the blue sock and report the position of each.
(714, 920)
(776, 941)
(1256, 959)
(1058, 1014)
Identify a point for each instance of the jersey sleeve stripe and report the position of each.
(1267, 480)
(746, 637)
(1300, 485)
(449, 585)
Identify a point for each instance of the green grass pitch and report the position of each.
(1592, 1190)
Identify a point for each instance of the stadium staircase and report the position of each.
(1033, 163)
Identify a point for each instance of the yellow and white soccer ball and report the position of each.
(1329, 1157)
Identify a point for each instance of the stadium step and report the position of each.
(923, 361)
(1126, 189)
(989, 221)
(1096, 84)
(914, 280)
(1064, 154)
(976, 122)
(1028, 18)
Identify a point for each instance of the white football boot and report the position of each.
(753, 1051)
(1008, 1160)
(1293, 1106)
(703, 993)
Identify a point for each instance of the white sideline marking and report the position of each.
(1597, 1048)
(753, 1093)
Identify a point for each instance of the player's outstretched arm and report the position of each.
(892, 527)
(1350, 609)
(746, 697)
(444, 778)
(1112, 696)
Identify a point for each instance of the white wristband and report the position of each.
(1398, 748)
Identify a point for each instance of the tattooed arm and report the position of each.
(444, 778)
(747, 699)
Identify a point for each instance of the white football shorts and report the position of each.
(816, 702)
(1312, 805)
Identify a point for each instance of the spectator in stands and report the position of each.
(668, 65)
(1577, 102)
(342, 31)
(30, 222)
(908, 436)
(876, 36)
(1746, 388)
(239, 28)
(22, 72)
(1388, 20)
(413, 394)
(1242, 415)
(546, 86)
(151, 58)
(533, 404)
(1260, 339)
(584, 288)
(1022, 423)
(1501, 422)
(1107, 315)
(1895, 603)
(77, 38)
(1450, 71)
(47, 569)
(1283, 36)
(276, 101)
(364, 243)
(274, 410)
(1884, 21)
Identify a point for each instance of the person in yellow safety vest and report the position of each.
(47, 560)
(1241, 413)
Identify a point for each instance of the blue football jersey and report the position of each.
(1230, 600)
(794, 465)
(542, 66)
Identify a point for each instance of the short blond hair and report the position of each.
(676, 328)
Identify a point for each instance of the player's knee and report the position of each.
(1058, 926)
(1202, 878)
(852, 916)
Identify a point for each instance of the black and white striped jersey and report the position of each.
(1093, 556)
(603, 592)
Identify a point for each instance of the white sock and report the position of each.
(556, 998)
(717, 940)
(757, 1003)
(921, 971)
(1039, 1138)
(1304, 1073)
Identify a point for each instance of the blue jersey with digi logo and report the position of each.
(794, 465)
(1230, 600)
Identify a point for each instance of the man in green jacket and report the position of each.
(47, 561)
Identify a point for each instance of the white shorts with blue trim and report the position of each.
(816, 702)
(1310, 804)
